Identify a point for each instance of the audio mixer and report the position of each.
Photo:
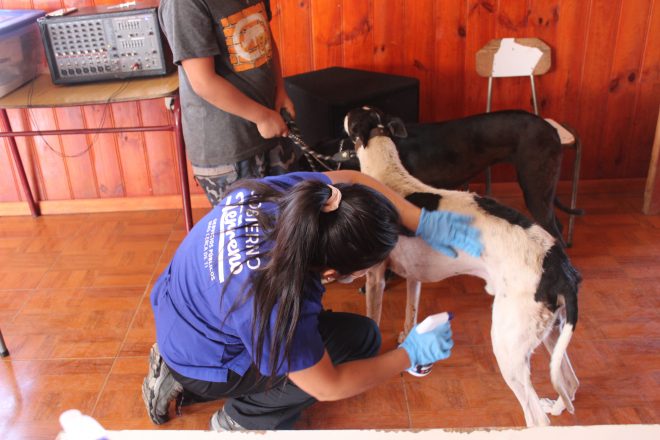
(105, 43)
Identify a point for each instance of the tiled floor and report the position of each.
(74, 311)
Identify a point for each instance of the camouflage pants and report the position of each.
(281, 159)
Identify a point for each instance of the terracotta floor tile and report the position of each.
(34, 430)
(641, 354)
(474, 418)
(72, 323)
(441, 390)
(37, 392)
(20, 278)
(11, 301)
(589, 359)
(120, 405)
(142, 333)
(611, 389)
(598, 266)
(382, 407)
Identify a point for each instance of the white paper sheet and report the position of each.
(513, 59)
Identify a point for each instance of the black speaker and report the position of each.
(323, 97)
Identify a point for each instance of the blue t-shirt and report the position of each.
(197, 334)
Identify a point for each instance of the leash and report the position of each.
(309, 153)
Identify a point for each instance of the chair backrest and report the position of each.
(507, 57)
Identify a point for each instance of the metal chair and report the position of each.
(512, 57)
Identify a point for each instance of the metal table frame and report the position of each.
(17, 99)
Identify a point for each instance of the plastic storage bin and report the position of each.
(21, 52)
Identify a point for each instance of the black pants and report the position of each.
(264, 403)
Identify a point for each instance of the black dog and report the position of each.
(449, 154)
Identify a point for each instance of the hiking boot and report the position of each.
(220, 421)
(159, 388)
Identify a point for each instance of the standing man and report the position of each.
(231, 89)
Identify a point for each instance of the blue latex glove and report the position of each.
(447, 231)
(427, 348)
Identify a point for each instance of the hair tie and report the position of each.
(333, 201)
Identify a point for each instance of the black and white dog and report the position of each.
(526, 270)
(449, 154)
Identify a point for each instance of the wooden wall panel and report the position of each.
(48, 150)
(419, 59)
(449, 55)
(159, 148)
(647, 99)
(624, 85)
(326, 34)
(480, 27)
(294, 38)
(107, 166)
(512, 21)
(132, 152)
(605, 82)
(77, 154)
(357, 42)
(596, 83)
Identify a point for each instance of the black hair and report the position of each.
(359, 234)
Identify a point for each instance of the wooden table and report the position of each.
(41, 92)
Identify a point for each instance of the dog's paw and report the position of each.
(551, 406)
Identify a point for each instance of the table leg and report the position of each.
(19, 164)
(183, 166)
(4, 352)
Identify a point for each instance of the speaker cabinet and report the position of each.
(323, 97)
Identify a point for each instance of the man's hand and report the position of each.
(270, 124)
(283, 101)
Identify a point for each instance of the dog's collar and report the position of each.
(378, 131)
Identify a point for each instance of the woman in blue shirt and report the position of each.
(239, 310)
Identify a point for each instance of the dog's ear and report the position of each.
(397, 127)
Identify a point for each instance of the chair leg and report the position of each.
(490, 94)
(536, 106)
(488, 182)
(4, 352)
(576, 179)
(489, 98)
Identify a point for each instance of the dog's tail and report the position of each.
(555, 365)
(566, 209)
(571, 280)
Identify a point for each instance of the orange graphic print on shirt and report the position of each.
(247, 35)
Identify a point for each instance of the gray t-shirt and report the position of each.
(237, 34)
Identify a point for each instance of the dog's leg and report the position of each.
(375, 287)
(539, 183)
(413, 290)
(569, 381)
(514, 335)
